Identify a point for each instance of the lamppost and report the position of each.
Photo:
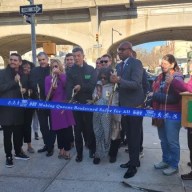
(112, 34)
(112, 53)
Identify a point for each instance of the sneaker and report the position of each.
(22, 156)
(9, 162)
(170, 171)
(187, 176)
(141, 154)
(161, 165)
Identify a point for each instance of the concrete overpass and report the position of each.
(75, 22)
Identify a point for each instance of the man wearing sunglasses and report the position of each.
(106, 61)
(129, 79)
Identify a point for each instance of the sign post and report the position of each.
(30, 11)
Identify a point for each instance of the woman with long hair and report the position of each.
(165, 97)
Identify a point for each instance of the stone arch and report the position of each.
(163, 34)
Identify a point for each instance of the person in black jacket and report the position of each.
(37, 83)
(82, 79)
(12, 85)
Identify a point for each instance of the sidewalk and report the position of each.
(50, 174)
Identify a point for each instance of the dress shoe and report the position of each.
(42, 149)
(187, 176)
(49, 153)
(79, 158)
(112, 159)
(96, 160)
(130, 172)
(127, 165)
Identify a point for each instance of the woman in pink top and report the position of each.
(182, 87)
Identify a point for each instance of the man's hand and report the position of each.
(114, 78)
(77, 88)
(23, 91)
(17, 78)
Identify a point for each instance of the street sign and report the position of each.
(97, 46)
(31, 9)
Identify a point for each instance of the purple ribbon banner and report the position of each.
(37, 104)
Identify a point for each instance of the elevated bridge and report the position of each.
(75, 22)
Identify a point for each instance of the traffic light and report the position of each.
(97, 37)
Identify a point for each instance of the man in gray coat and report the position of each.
(129, 79)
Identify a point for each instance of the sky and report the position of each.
(151, 45)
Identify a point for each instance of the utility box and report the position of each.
(49, 48)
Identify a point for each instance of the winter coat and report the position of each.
(10, 89)
(59, 118)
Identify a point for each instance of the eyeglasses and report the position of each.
(123, 49)
(55, 66)
(104, 61)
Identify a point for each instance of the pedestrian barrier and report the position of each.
(90, 108)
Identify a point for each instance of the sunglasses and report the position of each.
(104, 61)
(122, 49)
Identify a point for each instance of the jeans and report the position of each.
(169, 136)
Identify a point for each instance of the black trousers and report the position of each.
(27, 125)
(16, 131)
(133, 126)
(49, 136)
(114, 147)
(84, 123)
(71, 134)
(123, 133)
(189, 137)
(141, 141)
(64, 139)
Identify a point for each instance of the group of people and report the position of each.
(101, 133)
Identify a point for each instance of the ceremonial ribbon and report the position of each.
(38, 104)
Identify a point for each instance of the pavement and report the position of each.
(50, 174)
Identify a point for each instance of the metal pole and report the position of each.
(33, 35)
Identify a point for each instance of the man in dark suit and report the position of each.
(37, 83)
(129, 79)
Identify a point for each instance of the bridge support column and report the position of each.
(5, 56)
(95, 30)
